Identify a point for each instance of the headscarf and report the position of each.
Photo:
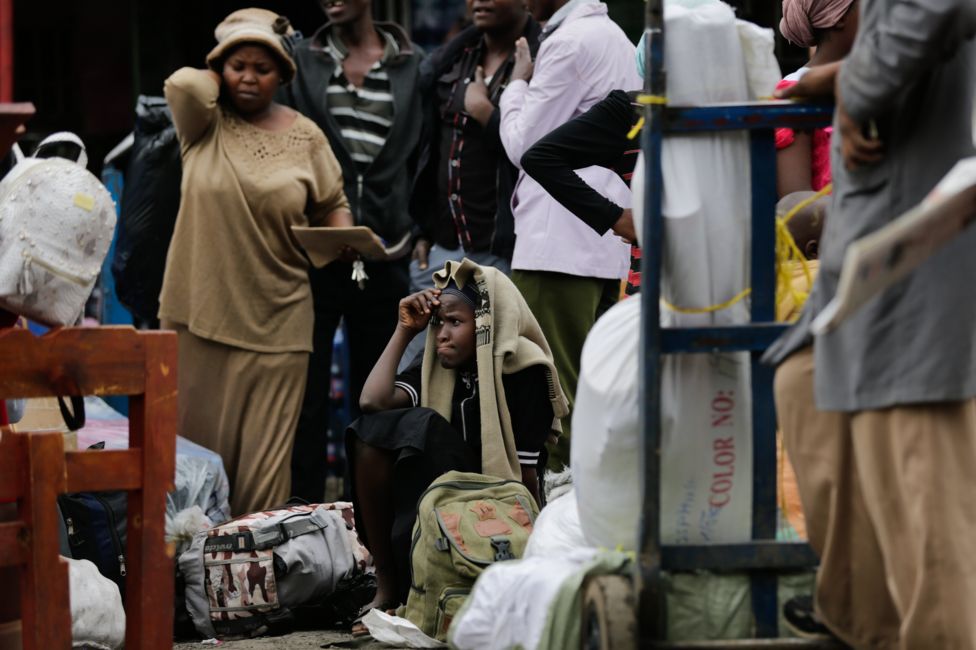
(802, 17)
(469, 293)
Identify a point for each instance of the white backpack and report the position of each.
(56, 225)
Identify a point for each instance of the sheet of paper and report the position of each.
(879, 260)
(324, 245)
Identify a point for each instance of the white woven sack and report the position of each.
(56, 225)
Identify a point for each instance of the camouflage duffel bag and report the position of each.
(245, 575)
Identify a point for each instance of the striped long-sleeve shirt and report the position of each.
(365, 113)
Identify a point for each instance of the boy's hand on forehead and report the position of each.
(417, 309)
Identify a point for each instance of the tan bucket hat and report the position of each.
(253, 25)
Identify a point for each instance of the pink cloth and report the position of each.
(802, 17)
(820, 148)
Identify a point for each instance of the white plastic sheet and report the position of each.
(397, 632)
(758, 47)
(511, 602)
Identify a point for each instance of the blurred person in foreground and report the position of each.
(879, 416)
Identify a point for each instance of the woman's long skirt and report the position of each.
(244, 405)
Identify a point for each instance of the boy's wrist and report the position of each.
(407, 330)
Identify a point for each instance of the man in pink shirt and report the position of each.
(568, 274)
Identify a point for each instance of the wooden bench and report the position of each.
(34, 469)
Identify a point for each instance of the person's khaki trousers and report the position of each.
(888, 502)
(243, 405)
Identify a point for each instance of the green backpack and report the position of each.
(465, 522)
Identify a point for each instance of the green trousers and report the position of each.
(566, 307)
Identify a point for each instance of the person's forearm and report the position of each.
(597, 137)
(530, 479)
(557, 176)
(339, 218)
(379, 392)
(192, 97)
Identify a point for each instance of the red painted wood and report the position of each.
(73, 361)
(34, 469)
(13, 537)
(99, 471)
(6, 51)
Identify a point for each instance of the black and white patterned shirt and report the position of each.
(529, 408)
(364, 114)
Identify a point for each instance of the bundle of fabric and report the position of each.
(532, 603)
(97, 615)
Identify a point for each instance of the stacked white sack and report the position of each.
(706, 487)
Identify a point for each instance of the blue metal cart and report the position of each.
(763, 557)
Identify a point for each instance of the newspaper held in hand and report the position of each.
(324, 245)
(879, 260)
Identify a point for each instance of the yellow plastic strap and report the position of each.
(647, 100)
(786, 249)
(637, 127)
(712, 308)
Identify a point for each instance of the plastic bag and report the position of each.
(605, 453)
(97, 615)
(150, 203)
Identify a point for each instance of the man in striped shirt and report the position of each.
(357, 79)
(364, 113)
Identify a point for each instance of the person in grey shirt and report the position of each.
(885, 455)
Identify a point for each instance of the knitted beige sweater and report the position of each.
(508, 339)
(235, 272)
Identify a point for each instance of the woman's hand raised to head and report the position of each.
(417, 309)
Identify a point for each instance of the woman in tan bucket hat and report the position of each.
(236, 285)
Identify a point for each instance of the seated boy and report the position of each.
(484, 398)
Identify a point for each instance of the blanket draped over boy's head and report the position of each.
(508, 339)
